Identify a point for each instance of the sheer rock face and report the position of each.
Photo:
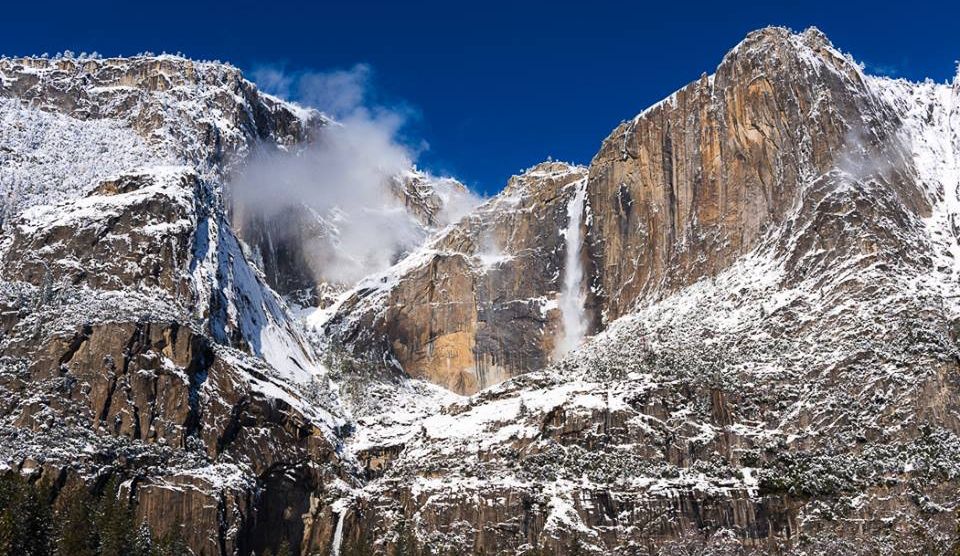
(200, 430)
(692, 183)
(478, 304)
(138, 337)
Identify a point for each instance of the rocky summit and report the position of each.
(734, 332)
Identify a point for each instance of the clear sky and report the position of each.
(495, 86)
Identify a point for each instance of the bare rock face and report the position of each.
(169, 110)
(694, 182)
(199, 429)
(478, 304)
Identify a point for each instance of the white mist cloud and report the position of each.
(344, 178)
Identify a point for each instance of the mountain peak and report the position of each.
(551, 167)
(779, 49)
(778, 36)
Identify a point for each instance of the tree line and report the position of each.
(36, 520)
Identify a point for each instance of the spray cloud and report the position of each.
(346, 179)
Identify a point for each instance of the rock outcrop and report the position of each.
(694, 182)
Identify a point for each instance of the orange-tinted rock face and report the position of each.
(478, 305)
(693, 182)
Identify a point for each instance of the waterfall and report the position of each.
(572, 296)
(338, 533)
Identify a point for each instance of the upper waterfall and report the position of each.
(572, 295)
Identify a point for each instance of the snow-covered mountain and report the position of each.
(140, 336)
(770, 274)
(735, 331)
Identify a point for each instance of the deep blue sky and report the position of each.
(498, 86)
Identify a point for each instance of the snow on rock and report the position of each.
(49, 157)
(202, 113)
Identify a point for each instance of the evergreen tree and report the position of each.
(75, 535)
(171, 544)
(25, 518)
(142, 542)
(114, 521)
(76, 523)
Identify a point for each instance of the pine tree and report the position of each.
(45, 295)
(25, 518)
(75, 534)
(114, 521)
(171, 544)
(142, 542)
(8, 533)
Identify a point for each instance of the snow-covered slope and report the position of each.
(48, 157)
